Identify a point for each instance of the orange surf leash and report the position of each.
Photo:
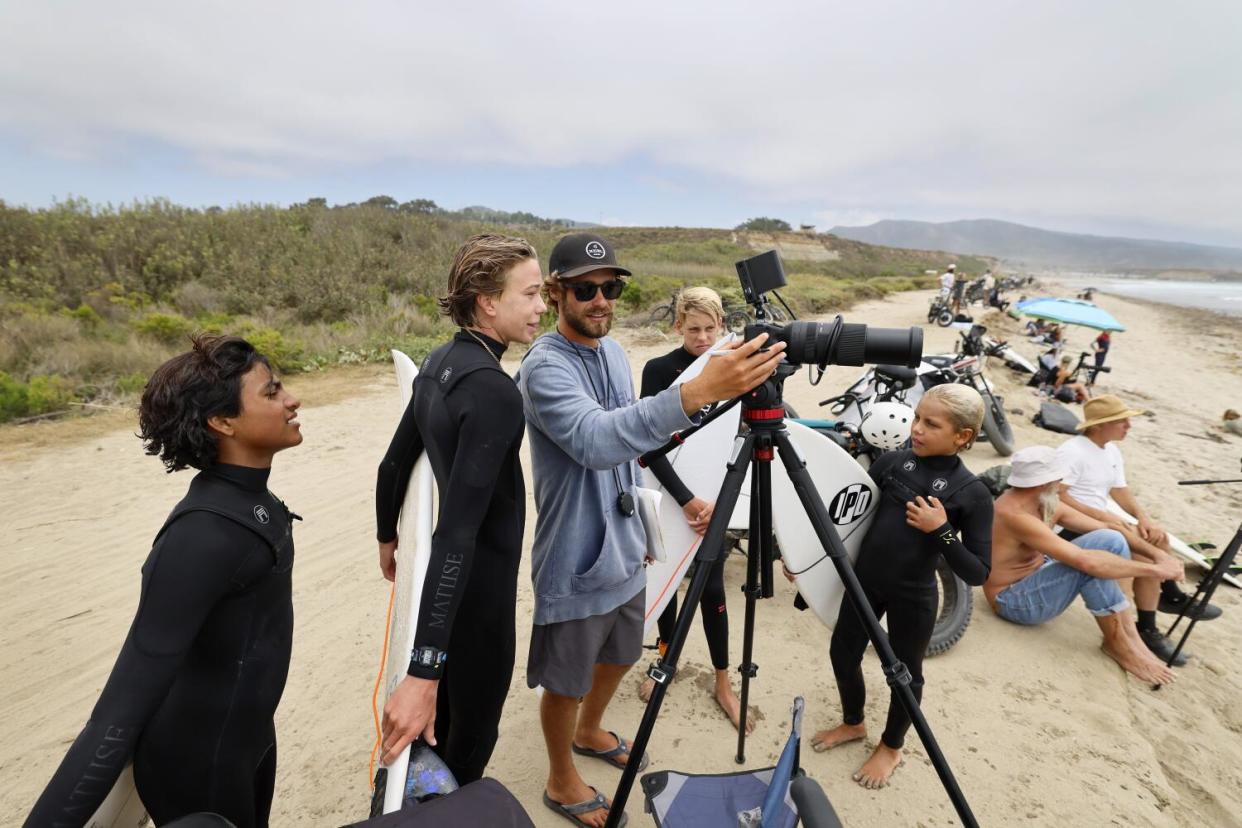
(379, 679)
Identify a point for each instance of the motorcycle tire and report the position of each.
(737, 321)
(997, 427)
(945, 319)
(953, 615)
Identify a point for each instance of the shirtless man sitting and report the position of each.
(1036, 575)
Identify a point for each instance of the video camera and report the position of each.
(822, 343)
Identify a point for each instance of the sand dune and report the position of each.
(1039, 726)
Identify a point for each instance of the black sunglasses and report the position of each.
(585, 291)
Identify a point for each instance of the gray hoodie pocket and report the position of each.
(611, 568)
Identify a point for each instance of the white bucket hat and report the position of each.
(1035, 466)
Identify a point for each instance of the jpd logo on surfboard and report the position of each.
(850, 504)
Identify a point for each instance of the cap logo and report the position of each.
(596, 250)
(260, 514)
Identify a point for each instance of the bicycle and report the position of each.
(665, 313)
(737, 317)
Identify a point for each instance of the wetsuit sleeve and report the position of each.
(187, 573)
(394, 474)
(489, 424)
(558, 404)
(656, 380)
(971, 556)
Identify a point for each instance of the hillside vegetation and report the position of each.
(93, 298)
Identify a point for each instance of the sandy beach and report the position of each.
(1039, 726)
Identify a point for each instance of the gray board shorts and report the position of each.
(563, 655)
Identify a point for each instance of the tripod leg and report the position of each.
(759, 539)
(1203, 595)
(896, 672)
(666, 667)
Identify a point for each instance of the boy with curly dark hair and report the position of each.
(191, 699)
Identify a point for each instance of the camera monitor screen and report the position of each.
(760, 274)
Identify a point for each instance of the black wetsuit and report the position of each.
(659, 374)
(192, 695)
(897, 569)
(466, 413)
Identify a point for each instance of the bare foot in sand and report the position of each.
(1137, 664)
(839, 735)
(730, 703)
(645, 689)
(877, 770)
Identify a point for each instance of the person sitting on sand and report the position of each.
(1063, 386)
(1036, 575)
(699, 319)
(1095, 472)
(927, 496)
(1233, 422)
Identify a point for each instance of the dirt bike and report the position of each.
(940, 311)
(886, 384)
(975, 343)
(976, 291)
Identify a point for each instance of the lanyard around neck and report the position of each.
(603, 403)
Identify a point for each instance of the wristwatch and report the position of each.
(427, 662)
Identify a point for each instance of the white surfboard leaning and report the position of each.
(850, 496)
(122, 808)
(700, 463)
(1176, 544)
(413, 554)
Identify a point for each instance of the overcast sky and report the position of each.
(1107, 117)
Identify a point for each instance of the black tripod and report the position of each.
(763, 412)
(1207, 586)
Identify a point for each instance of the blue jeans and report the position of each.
(1047, 592)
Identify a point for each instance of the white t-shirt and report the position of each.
(1091, 472)
(946, 280)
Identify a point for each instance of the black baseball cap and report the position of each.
(580, 253)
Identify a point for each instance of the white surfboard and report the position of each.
(122, 808)
(851, 498)
(1176, 544)
(414, 529)
(700, 463)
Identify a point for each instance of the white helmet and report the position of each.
(952, 267)
(887, 425)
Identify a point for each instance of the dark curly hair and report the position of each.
(186, 391)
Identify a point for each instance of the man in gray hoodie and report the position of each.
(587, 429)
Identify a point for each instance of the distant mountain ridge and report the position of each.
(1031, 245)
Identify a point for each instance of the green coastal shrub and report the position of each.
(172, 328)
(27, 399)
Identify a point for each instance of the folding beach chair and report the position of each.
(747, 799)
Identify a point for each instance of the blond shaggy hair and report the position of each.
(702, 300)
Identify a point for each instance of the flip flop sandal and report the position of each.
(610, 755)
(570, 812)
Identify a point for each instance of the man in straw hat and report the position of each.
(1094, 473)
(1037, 575)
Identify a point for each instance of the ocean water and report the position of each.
(1222, 297)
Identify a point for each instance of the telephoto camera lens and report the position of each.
(841, 343)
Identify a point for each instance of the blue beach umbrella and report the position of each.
(1071, 312)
